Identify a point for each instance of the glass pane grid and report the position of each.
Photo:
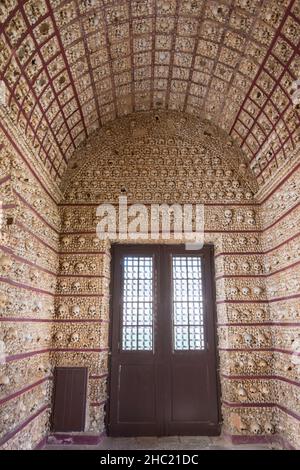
(137, 328)
(188, 327)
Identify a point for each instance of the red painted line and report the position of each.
(268, 323)
(102, 376)
(280, 183)
(263, 301)
(79, 295)
(52, 320)
(26, 261)
(25, 423)
(262, 405)
(83, 276)
(281, 217)
(283, 351)
(282, 243)
(261, 377)
(13, 143)
(36, 212)
(17, 357)
(5, 178)
(239, 253)
(262, 65)
(24, 286)
(20, 225)
(100, 403)
(83, 253)
(8, 206)
(87, 350)
(23, 390)
(266, 275)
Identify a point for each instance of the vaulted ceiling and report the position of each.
(71, 66)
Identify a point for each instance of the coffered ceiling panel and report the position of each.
(71, 66)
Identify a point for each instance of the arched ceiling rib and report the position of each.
(71, 66)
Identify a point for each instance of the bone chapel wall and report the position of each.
(150, 158)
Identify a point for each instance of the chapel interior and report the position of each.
(164, 102)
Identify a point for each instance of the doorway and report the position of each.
(163, 366)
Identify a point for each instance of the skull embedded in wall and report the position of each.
(76, 286)
(74, 338)
(241, 393)
(228, 215)
(5, 262)
(66, 241)
(233, 266)
(3, 300)
(248, 339)
(245, 290)
(92, 310)
(240, 218)
(257, 290)
(61, 310)
(11, 334)
(65, 266)
(58, 336)
(269, 428)
(255, 428)
(4, 380)
(63, 285)
(81, 241)
(75, 310)
(246, 266)
(79, 267)
(233, 291)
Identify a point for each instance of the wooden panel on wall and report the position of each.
(70, 391)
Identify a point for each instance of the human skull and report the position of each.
(233, 266)
(79, 267)
(11, 334)
(262, 364)
(257, 290)
(76, 286)
(65, 241)
(3, 300)
(63, 285)
(255, 428)
(233, 291)
(246, 266)
(4, 379)
(240, 218)
(75, 310)
(269, 428)
(61, 310)
(65, 266)
(5, 262)
(74, 338)
(95, 241)
(248, 339)
(92, 310)
(243, 241)
(93, 267)
(81, 241)
(58, 336)
(228, 214)
(245, 290)
(257, 267)
(241, 393)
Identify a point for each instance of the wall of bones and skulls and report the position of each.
(55, 271)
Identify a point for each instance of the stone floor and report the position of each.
(164, 443)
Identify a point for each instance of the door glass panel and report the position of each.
(137, 308)
(188, 329)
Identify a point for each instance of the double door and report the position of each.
(163, 371)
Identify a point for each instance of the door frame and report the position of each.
(180, 247)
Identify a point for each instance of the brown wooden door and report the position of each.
(163, 378)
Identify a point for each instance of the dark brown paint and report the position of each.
(163, 392)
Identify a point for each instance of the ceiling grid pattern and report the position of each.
(71, 66)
